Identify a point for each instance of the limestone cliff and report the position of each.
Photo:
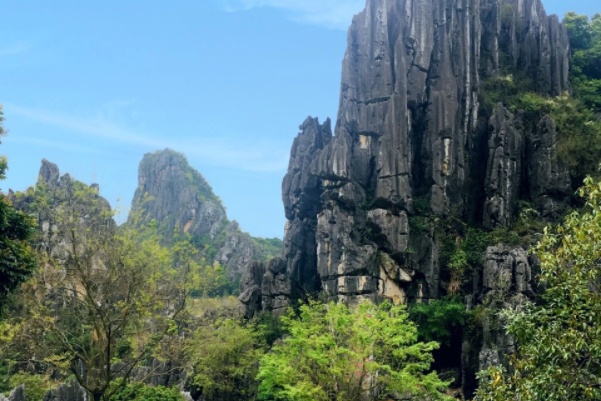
(418, 157)
(178, 197)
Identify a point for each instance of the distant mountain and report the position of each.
(181, 200)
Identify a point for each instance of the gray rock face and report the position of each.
(236, 252)
(549, 180)
(18, 394)
(538, 44)
(251, 294)
(507, 281)
(70, 391)
(408, 126)
(175, 195)
(504, 169)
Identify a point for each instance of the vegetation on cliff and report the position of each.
(559, 339)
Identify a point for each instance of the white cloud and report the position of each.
(15, 48)
(334, 14)
(240, 154)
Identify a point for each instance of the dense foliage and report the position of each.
(142, 392)
(17, 261)
(585, 42)
(105, 299)
(438, 319)
(224, 357)
(335, 353)
(559, 354)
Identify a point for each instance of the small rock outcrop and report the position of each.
(70, 391)
(507, 281)
(18, 394)
(177, 196)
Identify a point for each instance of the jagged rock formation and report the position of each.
(506, 280)
(18, 394)
(166, 183)
(177, 196)
(414, 138)
(70, 391)
(53, 191)
(408, 128)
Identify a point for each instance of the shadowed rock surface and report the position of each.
(410, 127)
(70, 391)
(18, 394)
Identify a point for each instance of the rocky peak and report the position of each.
(411, 128)
(49, 173)
(174, 194)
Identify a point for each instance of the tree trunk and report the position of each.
(97, 396)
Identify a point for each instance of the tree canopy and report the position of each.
(17, 261)
(106, 300)
(559, 340)
(336, 353)
(585, 41)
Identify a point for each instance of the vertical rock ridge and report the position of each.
(409, 129)
(417, 150)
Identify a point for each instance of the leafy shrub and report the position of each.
(335, 353)
(438, 319)
(585, 42)
(270, 327)
(269, 247)
(36, 386)
(143, 392)
(224, 357)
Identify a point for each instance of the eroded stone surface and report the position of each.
(504, 169)
(407, 134)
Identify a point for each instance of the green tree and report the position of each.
(35, 386)
(108, 302)
(224, 357)
(142, 392)
(559, 353)
(17, 260)
(335, 353)
(438, 319)
(585, 41)
(579, 30)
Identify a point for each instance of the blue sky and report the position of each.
(93, 85)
